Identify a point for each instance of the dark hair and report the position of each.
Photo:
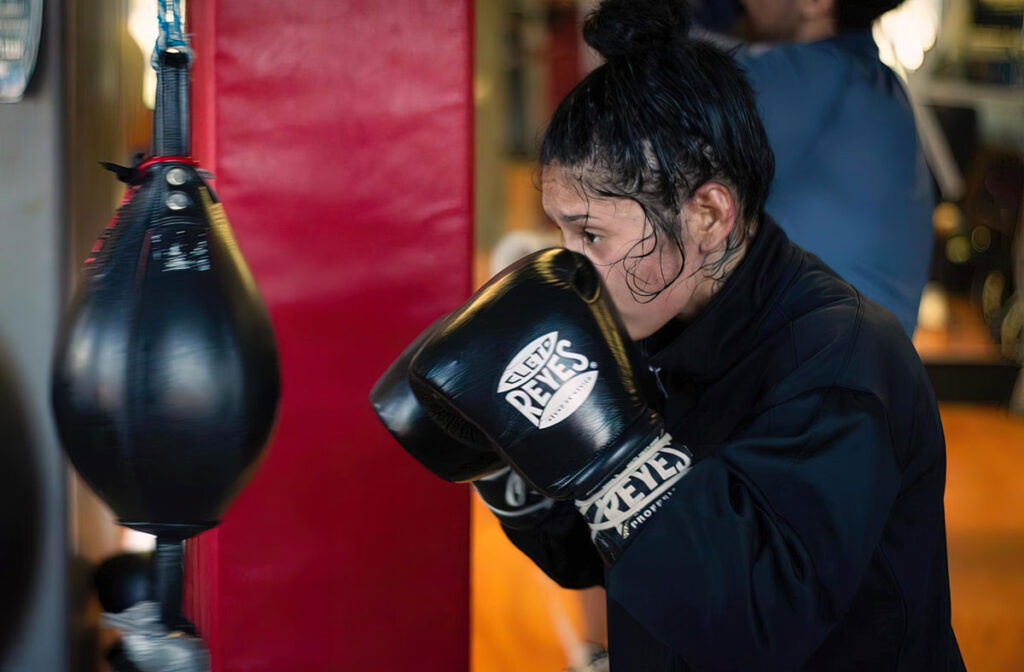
(663, 115)
(859, 14)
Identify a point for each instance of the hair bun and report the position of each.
(620, 29)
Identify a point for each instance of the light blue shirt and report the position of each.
(851, 184)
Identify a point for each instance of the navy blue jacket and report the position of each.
(851, 183)
(810, 532)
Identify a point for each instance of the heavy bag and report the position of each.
(165, 380)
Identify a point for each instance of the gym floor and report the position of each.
(522, 621)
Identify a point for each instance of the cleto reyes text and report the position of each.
(635, 493)
(546, 381)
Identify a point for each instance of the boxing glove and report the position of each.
(454, 458)
(503, 491)
(516, 504)
(539, 363)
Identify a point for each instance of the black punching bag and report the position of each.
(165, 381)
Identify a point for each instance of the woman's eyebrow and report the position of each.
(576, 218)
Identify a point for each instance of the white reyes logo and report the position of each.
(633, 495)
(546, 381)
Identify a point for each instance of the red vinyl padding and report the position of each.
(341, 135)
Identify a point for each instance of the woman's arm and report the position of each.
(761, 549)
(560, 545)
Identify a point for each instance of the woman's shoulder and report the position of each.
(840, 338)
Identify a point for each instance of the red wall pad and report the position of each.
(340, 131)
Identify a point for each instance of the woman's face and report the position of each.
(614, 234)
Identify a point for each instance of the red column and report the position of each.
(563, 55)
(340, 131)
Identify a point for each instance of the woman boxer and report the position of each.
(758, 482)
(809, 532)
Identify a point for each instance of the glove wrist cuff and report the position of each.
(621, 505)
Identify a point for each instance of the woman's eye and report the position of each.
(590, 237)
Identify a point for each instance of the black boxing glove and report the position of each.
(516, 504)
(539, 363)
(450, 456)
(503, 491)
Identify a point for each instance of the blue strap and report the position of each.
(172, 35)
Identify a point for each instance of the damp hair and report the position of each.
(663, 115)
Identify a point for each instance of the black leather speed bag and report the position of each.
(165, 380)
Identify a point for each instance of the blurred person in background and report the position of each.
(851, 182)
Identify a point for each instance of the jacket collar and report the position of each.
(704, 349)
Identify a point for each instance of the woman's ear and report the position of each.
(710, 214)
